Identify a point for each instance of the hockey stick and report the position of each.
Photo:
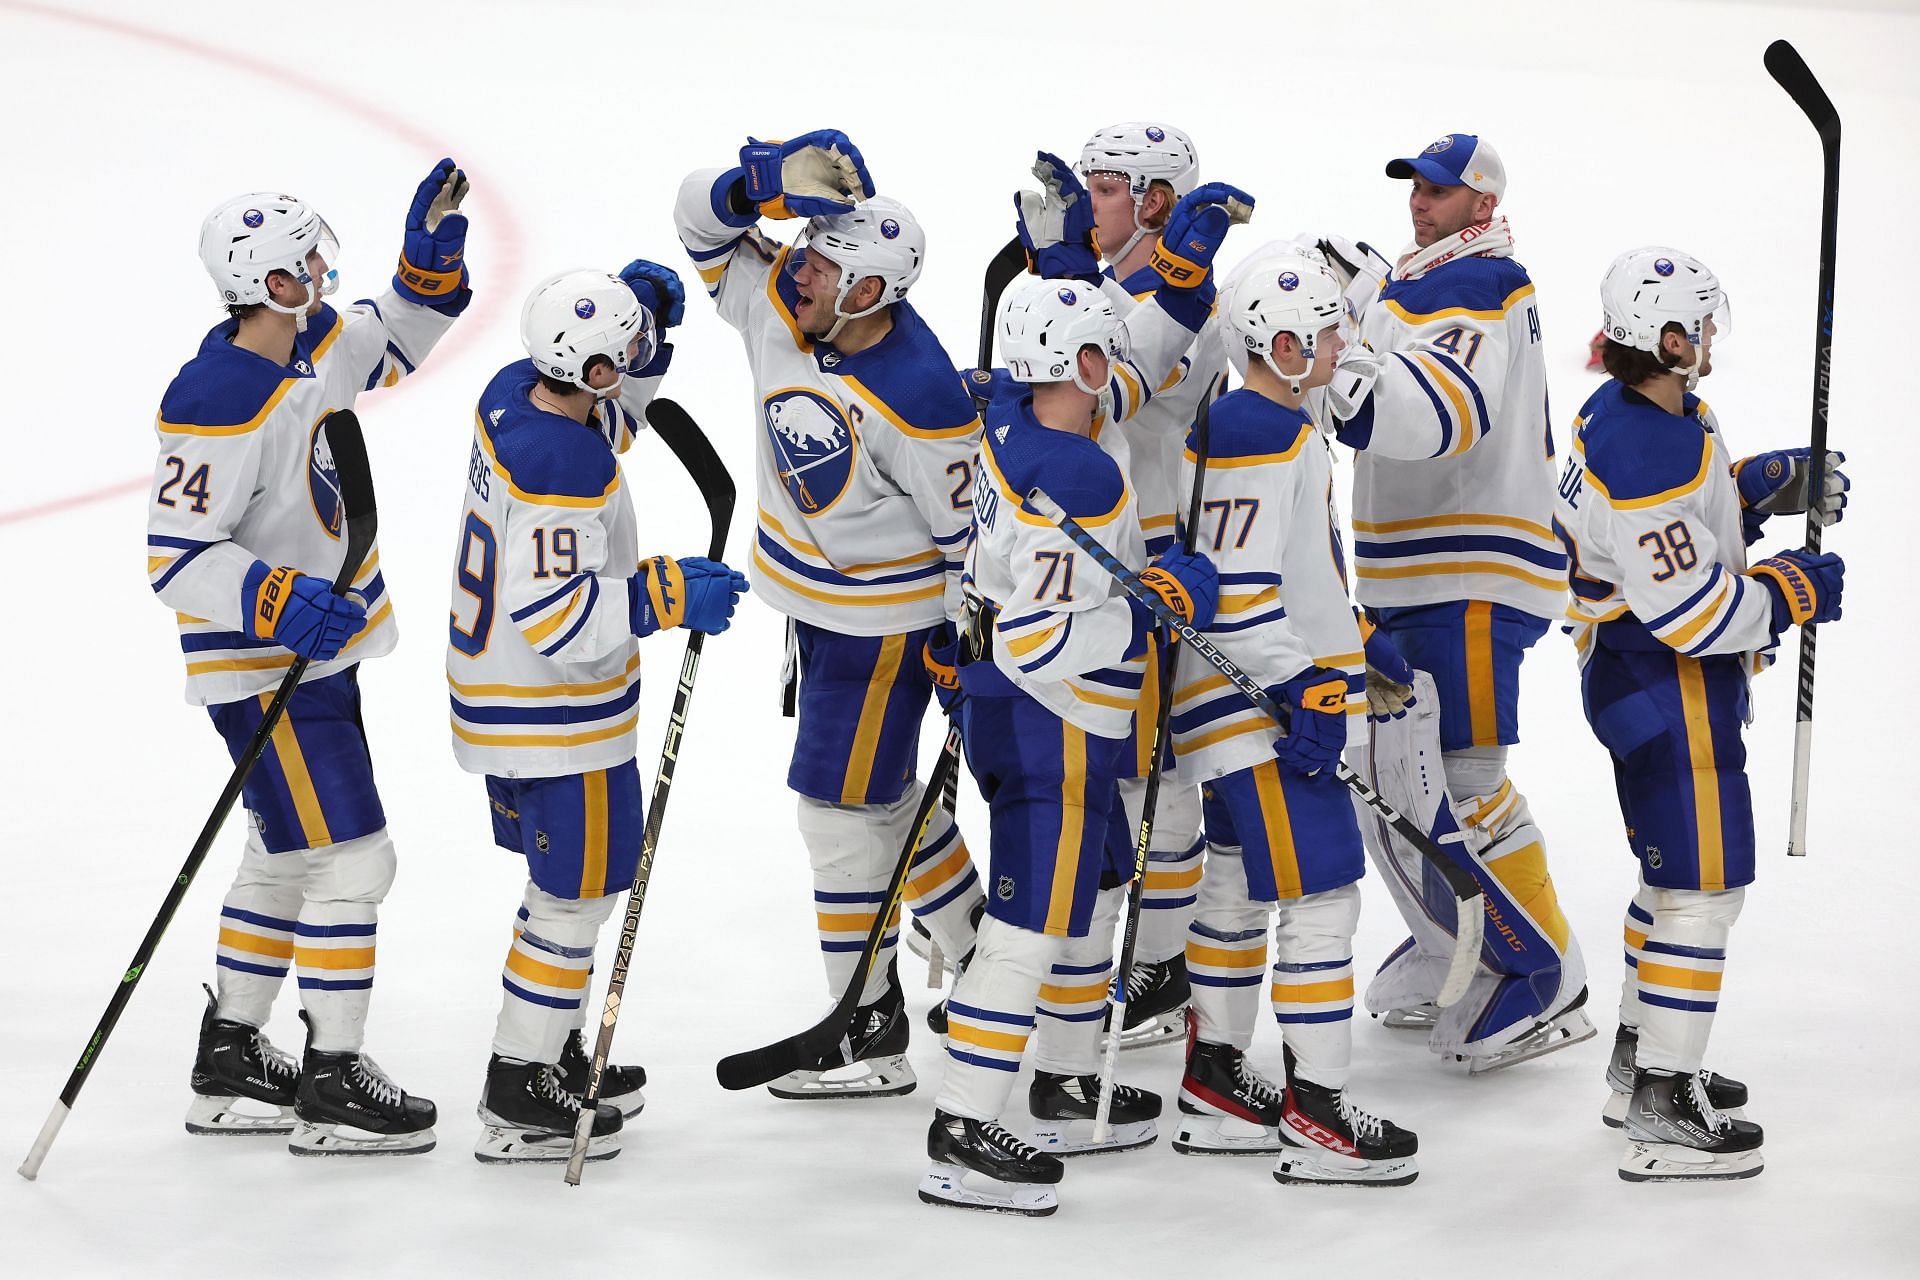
(1469, 906)
(689, 444)
(796, 1053)
(1002, 269)
(1162, 732)
(1787, 67)
(349, 449)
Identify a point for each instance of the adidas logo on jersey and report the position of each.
(1000, 432)
(495, 416)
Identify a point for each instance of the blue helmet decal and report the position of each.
(1289, 281)
(253, 217)
(889, 228)
(1663, 266)
(1069, 297)
(813, 447)
(1156, 134)
(584, 308)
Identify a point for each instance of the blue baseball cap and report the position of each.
(1457, 160)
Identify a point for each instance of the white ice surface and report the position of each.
(1620, 123)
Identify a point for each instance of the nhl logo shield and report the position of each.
(540, 841)
(1004, 888)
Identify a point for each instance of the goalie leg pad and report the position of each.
(334, 940)
(257, 922)
(991, 1016)
(547, 972)
(1227, 952)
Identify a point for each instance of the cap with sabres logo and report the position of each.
(1457, 160)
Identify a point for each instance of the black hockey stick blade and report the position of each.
(760, 1066)
(1002, 269)
(1785, 65)
(676, 427)
(341, 434)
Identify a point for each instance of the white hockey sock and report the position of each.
(943, 889)
(334, 940)
(851, 849)
(1227, 951)
(1679, 975)
(548, 973)
(1634, 933)
(1312, 989)
(1073, 999)
(257, 921)
(1173, 866)
(990, 1017)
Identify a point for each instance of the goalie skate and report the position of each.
(1568, 1027)
(1064, 1107)
(1419, 1017)
(241, 1084)
(979, 1164)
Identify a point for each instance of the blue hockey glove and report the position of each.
(941, 656)
(713, 590)
(1187, 583)
(1775, 484)
(1055, 224)
(817, 174)
(695, 592)
(298, 611)
(988, 385)
(1389, 674)
(1805, 588)
(1183, 255)
(659, 290)
(433, 268)
(1316, 703)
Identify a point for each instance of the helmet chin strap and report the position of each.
(1139, 229)
(1293, 380)
(298, 313)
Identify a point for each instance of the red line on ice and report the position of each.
(498, 219)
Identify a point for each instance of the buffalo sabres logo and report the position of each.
(1663, 266)
(584, 308)
(1156, 134)
(253, 217)
(1438, 145)
(813, 447)
(1069, 297)
(889, 228)
(1289, 281)
(323, 480)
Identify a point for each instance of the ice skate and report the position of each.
(1007, 1175)
(871, 1062)
(1226, 1107)
(1728, 1097)
(1417, 1017)
(346, 1106)
(1675, 1134)
(241, 1083)
(527, 1115)
(1157, 995)
(1561, 1030)
(619, 1086)
(1332, 1142)
(1064, 1107)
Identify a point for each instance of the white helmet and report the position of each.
(576, 315)
(251, 235)
(877, 237)
(1047, 322)
(1144, 153)
(1282, 288)
(1647, 289)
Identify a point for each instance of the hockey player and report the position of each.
(1053, 658)
(1135, 173)
(1455, 559)
(1280, 827)
(865, 458)
(1655, 516)
(243, 539)
(550, 599)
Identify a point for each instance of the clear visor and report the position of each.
(1716, 327)
(327, 246)
(643, 348)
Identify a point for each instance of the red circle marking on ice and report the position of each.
(499, 218)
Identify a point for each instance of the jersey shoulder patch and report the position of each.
(542, 455)
(908, 376)
(1245, 428)
(1638, 454)
(1487, 287)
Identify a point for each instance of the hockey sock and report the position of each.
(547, 974)
(1679, 975)
(1639, 921)
(852, 853)
(1173, 866)
(1226, 951)
(334, 940)
(1073, 999)
(257, 922)
(943, 889)
(1312, 988)
(990, 1017)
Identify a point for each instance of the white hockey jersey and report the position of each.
(1268, 524)
(1650, 516)
(245, 474)
(1453, 484)
(543, 670)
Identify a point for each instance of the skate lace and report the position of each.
(1255, 1085)
(277, 1062)
(997, 1135)
(1711, 1117)
(547, 1086)
(1140, 979)
(1364, 1124)
(368, 1075)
